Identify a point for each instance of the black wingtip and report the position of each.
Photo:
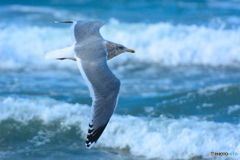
(63, 22)
(93, 135)
(89, 144)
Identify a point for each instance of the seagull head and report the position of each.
(121, 49)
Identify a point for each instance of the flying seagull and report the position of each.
(91, 52)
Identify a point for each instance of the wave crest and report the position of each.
(161, 137)
(160, 43)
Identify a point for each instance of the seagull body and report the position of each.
(91, 52)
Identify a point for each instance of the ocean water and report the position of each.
(180, 91)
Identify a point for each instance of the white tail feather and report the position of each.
(65, 53)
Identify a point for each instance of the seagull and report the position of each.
(91, 53)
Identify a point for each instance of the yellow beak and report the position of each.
(131, 50)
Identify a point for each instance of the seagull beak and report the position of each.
(131, 50)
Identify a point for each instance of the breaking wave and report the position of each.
(158, 137)
(159, 43)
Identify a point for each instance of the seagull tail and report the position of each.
(61, 54)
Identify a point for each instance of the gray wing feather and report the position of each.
(84, 30)
(104, 86)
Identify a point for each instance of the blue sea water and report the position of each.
(180, 91)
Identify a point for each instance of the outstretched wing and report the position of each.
(104, 89)
(83, 30)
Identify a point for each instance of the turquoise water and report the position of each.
(180, 92)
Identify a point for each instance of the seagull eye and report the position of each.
(121, 47)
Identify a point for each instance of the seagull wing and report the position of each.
(84, 30)
(104, 86)
(104, 89)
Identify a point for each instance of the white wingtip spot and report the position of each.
(89, 145)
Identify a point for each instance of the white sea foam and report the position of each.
(42, 137)
(234, 108)
(28, 9)
(160, 43)
(172, 45)
(26, 46)
(231, 4)
(212, 89)
(161, 138)
(44, 11)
